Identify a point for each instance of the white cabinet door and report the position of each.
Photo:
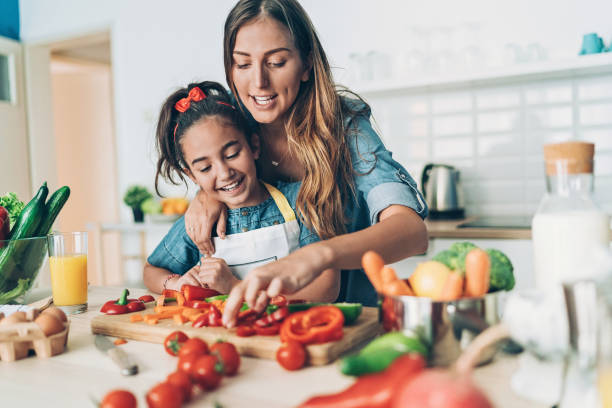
(14, 154)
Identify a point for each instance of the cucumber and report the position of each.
(25, 227)
(351, 311)
(37, 250)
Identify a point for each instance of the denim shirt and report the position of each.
(177, 252)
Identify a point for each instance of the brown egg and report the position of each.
(49, 324)
(16, 317)
(57, 312)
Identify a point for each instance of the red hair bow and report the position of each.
(196, 94)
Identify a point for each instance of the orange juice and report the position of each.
(604, 383)
(69, 279)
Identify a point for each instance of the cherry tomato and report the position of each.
(291, 355)
(228, 355)
(181, 379)
(193, 345)
(119, 399)
(186, 363)
(174, 342)
(207, 372)
(165, 395)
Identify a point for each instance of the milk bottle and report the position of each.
(568, 229)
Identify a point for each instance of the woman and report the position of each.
(353, 194)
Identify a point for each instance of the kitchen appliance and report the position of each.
(442, 189)
(117, 355)
(446, 327)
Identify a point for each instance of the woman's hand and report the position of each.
(200, 218)
(215, 273)
(191, 277)
(285, 276)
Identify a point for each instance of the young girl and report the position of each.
(201, 135)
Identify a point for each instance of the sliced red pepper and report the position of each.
(197, 304)
(192, 292)
(201, 321)
(279, 300)
(245, 331)
(319, 324)
(247, 316)
(146, 298)
(170, 293)
(271, 330)
(280, 314)
(136, 306)
(214, 317)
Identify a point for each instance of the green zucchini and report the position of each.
(37, 249)
(25, 227)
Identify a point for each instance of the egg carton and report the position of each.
(16, 341)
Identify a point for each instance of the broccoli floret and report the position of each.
(447, 257)
(502, 276)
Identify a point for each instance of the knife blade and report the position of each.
(116, 354)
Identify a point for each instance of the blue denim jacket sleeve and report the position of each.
(381, 180)
(176, 252)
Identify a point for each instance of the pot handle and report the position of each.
(465, 320)
(425, 177)
(470, 356)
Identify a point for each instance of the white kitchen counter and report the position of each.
(81, 373)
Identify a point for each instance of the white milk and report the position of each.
(563, 244)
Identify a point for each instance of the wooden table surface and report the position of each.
(81, 373)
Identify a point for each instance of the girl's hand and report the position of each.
(215, 273)
(189, 278)
(201, 216)
(285, 276)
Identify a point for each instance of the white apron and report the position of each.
(248, 250)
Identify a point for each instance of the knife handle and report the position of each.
(121, 359)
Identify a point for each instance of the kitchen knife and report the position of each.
(117, 355)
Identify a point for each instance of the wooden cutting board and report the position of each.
(365, 328)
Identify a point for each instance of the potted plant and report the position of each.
(134, 197)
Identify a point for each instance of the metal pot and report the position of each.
(446, 327)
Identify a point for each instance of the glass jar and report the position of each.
(568, 229)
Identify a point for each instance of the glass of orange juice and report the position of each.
(604, 345)
(68, 265)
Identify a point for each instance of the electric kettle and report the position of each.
(442, 190)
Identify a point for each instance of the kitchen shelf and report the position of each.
(544, 70)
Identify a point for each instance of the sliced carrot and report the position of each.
(219, 304)
(194, 317)
(161, 300)
(188, 311)
(453, 287)
(477, 272)
(152, 321)
(372, 265)
(136, 318)
(180, 299)
(169, 309)
(119, 342)
(179, 319)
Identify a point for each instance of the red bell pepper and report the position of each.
(5, 224)
(192, 292)
(212, 318)
(372, 390)
(146, 298)
(122, 305)
(270, 330)
(319, 324)
(245, 331)
(168, 294)
(197, 304)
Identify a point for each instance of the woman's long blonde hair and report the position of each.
(315, 122)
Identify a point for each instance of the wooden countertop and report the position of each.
(450, 229)
(73, 378)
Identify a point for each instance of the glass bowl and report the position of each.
(20, 262)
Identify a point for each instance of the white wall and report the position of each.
(159, 45)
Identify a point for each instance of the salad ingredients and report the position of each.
(317, 325)
(372, 265)
(477, 272)
(182, 381)
(206, 372)
(174, 341)
(13, 206)
(351, 311)
(428, 279)
(502, 276)
(5, 225)
(228, 355)
(122, 305)
(165, 395)
(119, 399)
(191, 292)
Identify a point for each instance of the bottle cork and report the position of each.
(569, 157)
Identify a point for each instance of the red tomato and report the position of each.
(165, 395)
(207, 372)
(186, 363)
(291, 355)
(194, 345)
(228, 355)
(181, 379)
(119, 399)
(174, 341)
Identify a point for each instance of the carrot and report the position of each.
(388, 275)
(179, 319)
(453, 287)
(372, 265)
(136, 318)
(477, 272)
(169, 309)
(397, 288)
(119, 342)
